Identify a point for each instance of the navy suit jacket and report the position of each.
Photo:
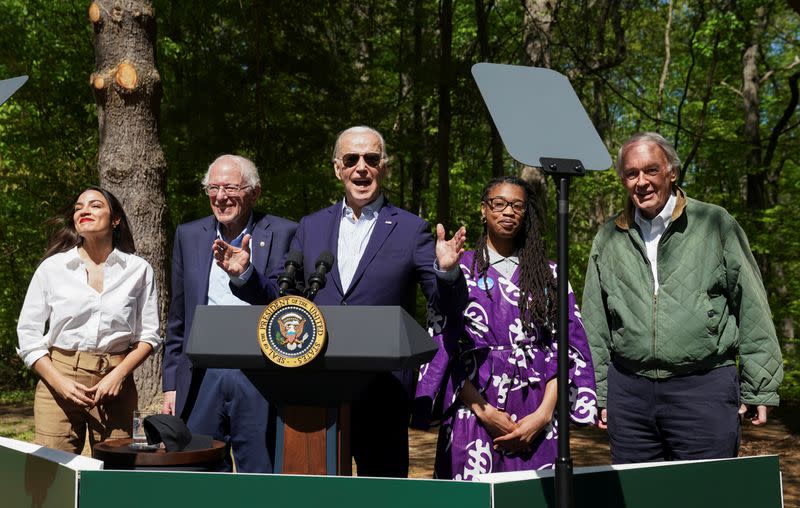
(191, 265)
(400, 254)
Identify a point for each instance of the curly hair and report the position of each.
(537, 284)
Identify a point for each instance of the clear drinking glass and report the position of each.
(138, 435)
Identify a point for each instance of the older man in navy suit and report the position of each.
(382, 252)
(221, 402)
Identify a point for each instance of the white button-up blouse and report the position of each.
(62, 310)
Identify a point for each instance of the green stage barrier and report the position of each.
(38, 477)
(747, 482)
(137, 489)
(32, 476)
(733, 483)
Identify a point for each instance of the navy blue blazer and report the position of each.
(191, 264)
(400, 254)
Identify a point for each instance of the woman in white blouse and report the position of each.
(90, 317)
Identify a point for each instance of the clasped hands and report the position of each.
(88, 397)
(511, 436)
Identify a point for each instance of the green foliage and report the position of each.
(275, 81)
(48, 145)
(790, 388)
(16, 397)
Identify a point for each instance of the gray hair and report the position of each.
(359, 129)
(671, 155)
(246, 167)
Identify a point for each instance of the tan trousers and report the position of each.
(62, 424)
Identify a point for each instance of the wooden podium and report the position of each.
(313, 422)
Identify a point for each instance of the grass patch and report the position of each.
(16, 397)
(16, 414)
(24, 435)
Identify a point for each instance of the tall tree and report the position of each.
(762, 178)
(127, 89)
(482, 12)
(445, 113)
(417, 115)
(536, 31)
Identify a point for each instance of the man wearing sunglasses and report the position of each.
(221, 402)
(381, 253)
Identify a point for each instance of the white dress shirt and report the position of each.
(652, 230)
(62, 310)
(219, 290)
(354, 235)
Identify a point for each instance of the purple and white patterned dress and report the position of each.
(487, 345)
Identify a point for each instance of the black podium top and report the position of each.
(362, 342)
(360, 339)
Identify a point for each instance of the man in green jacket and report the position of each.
(673, 299)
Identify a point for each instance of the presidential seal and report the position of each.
(291, 331)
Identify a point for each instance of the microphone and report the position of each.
(293, 264)
(317, 279)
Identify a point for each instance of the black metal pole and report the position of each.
(563, 480)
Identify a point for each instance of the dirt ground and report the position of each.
(589, 445)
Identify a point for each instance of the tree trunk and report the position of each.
(445, 112)
(131, 164)
(758, 164)
(756, 175)
(699, 128)
(664, 68)
(481, 18)
(536, 32)
(417, 160)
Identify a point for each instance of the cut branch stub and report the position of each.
(126, 76)
(94, 13)
(98, 81)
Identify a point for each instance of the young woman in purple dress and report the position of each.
(495, 372)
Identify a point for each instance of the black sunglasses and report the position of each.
(370, 159)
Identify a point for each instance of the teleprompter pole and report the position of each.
(563, 459)
(562, 171)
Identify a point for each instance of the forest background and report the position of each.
(275, 81)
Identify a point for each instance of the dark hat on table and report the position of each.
(174, 433)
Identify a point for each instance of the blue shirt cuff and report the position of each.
(448, 276)
(241, 280)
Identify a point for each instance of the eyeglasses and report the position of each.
(372, 159)
(230, 190)
(498, 204)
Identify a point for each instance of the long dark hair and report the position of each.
(64, 236)
(537, 284)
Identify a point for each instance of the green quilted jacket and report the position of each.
(711, 304)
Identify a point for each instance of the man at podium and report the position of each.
(381, 253)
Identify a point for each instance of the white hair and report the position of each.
(359, 129)
(247, 168)
(673, 161)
